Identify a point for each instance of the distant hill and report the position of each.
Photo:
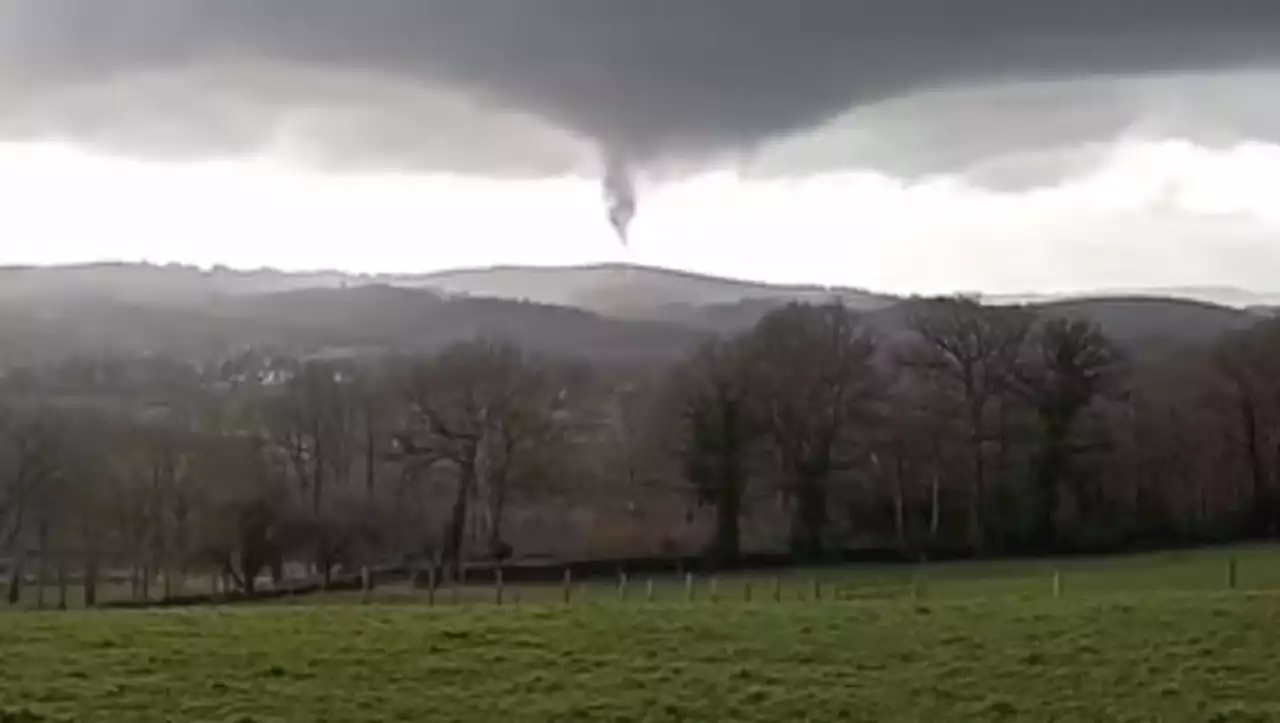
(627, 290)
(388, 317)
(150, 283)
(613, 289)
(604, 311)
(1140, 319)
(1215, 295)
(321, 320)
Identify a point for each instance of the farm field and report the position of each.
(1151, 637)
(1118, 657)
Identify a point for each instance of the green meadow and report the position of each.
(1143, 638)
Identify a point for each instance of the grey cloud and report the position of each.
(343, 117)
(533, 86)
(1020, 134)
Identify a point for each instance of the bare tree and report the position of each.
(915, 450)
(35, 442)
(317, 425)
(245, 521)
(523, 443)
(473, 399)
(311, 422)
(817, 383)
(716, 427)
(92, 527)
(977, 349)
(1073, 364)
(375, 404)
(634, 402)
(1244, 380)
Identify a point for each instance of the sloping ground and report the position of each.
(646, 314)
(623, 289)
(619, 289)
(1128, 319)
(1131, 321)
(1110, 658)
(389, 317)
(149, 283)
(372, 317)
(1138, 319)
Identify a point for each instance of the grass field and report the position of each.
(1152, 638)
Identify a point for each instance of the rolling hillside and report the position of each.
(629, 291)
(613, 312)
(370, 318)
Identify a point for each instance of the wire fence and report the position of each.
(1207, 571)
(1249, 570)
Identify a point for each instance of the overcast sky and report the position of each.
(907, 145)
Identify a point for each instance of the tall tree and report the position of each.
(1245, 375)
(524, 441)
(1073, 363)
(466, 401)
(716, 428)
(914, 451)
(817, 384)
(978, 349)
(373, 422)
(35, 444)
(311, 421)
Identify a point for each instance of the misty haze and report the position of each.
(643, 360)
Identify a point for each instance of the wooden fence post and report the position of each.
(431, 585)
(777, 589)
(714, 589)
(567, 585)
(688, 587)
(91, 585)
(622, 585)
(1057, 584)
(746, 591)
(62, 586)
(1231, 573)
(817, 589)
(648, 590)
(497, 586)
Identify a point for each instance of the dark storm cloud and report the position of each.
(533, 86)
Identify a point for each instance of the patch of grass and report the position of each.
(1170, 657)
(1133, 638)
